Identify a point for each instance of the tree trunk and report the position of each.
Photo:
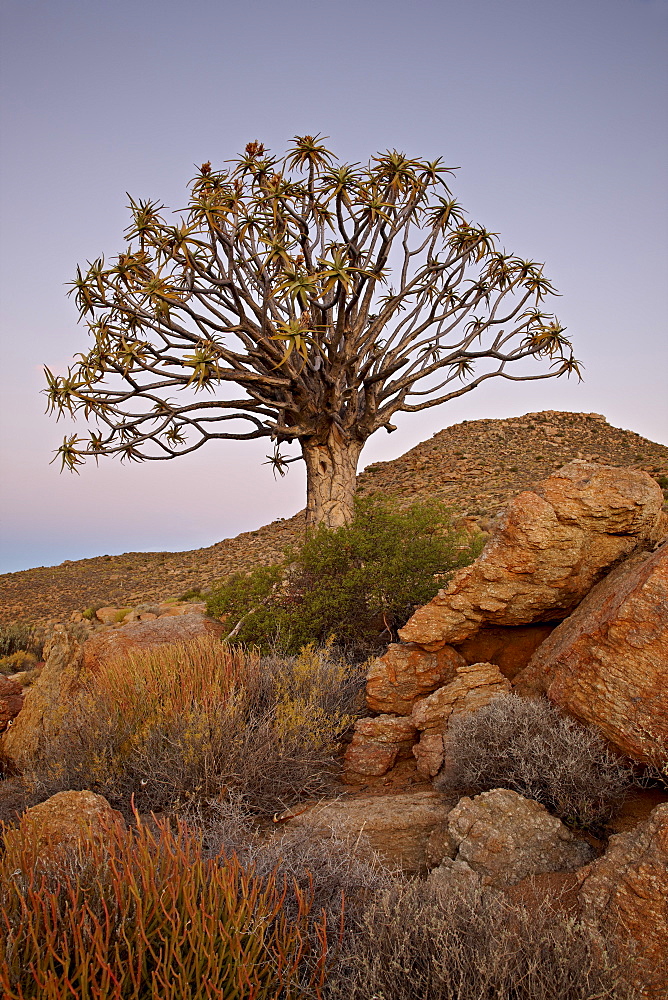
(331, 471)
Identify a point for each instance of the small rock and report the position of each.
(505, 837)
(474, 685)
(406, 672)
(376, 745)
(108, 616)
(61, 824)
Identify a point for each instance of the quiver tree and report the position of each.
(331, 296)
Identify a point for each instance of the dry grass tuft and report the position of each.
(415, 941)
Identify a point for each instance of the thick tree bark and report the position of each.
(331, 471)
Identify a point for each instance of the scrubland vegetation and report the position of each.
(176, 725)
(206, 898)
(154, 913)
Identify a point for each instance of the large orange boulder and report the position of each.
(107, 645)
(47, 702)
(549, 549)
(59, 696)
(624, 894)
(607, 664)
(405, 673)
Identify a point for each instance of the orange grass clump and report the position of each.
(143, 915)
(185, 723)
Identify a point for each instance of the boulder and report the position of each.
(398, 827)
(625, 894)
(607, 665)
(473, 686)
(59, 694)
(405, 673)
(48, 702)
(11, 700)
(111, 615)
(61, 825)
(376, 746)
(182, 627)
(546, 553)
(185, 608)
(429, 753)
(505, 837)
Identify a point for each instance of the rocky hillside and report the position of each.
(475, 467)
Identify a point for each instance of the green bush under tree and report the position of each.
(358, 583)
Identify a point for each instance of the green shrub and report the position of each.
(21, 638)
(18, 661)
(140, 915)
(358, 583)
(173, 725)
(524, 744)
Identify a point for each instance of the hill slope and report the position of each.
(474, 466)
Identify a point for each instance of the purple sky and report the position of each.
(552, 109)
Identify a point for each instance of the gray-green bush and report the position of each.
(415, 942)
(526, 745)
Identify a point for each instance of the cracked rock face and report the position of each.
(625, 893)
(11, 700)
(473, 686)
(504, 837)
(376, 746)
(607, 665)
(406, 672)
(406, 829)
(549, 549)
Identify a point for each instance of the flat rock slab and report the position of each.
(397, 827)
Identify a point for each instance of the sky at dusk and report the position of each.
(553, 111)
